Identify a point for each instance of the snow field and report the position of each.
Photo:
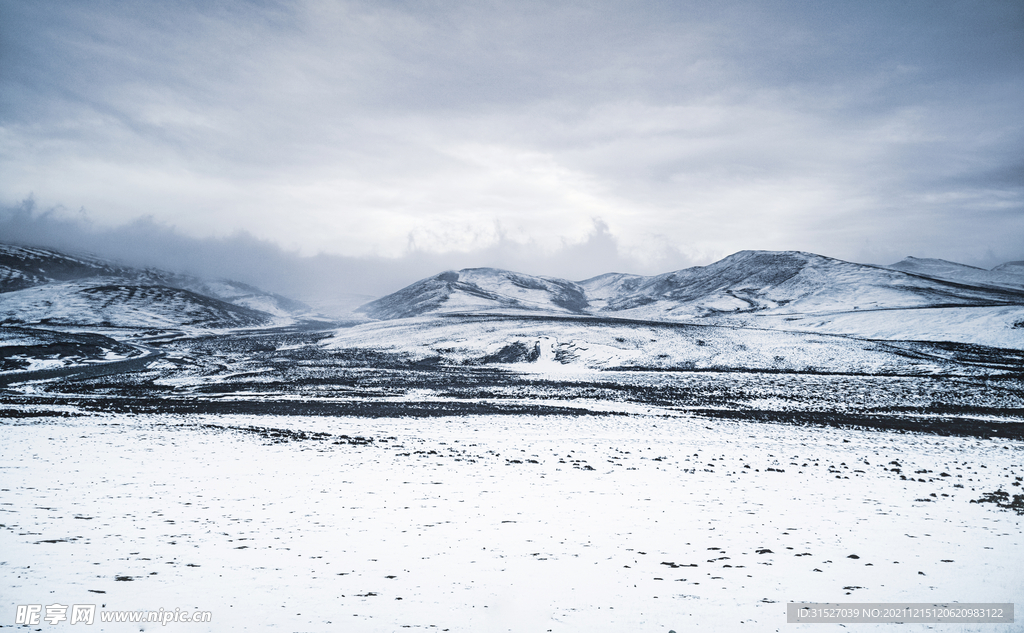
(449, 525)
(606, 345)
(995, 326)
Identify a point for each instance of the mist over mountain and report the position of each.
(334, 284)
(916, 299)
(48, 287)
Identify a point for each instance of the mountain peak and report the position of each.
(479, 289)
(746, 282)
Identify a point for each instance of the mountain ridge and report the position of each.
(1008, 275)
(744, 282)
(26, 266)
(46, 286)
(771, 290)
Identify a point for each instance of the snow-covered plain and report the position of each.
(32, 349)
(994, 326)
(511, 523)
(553, 344)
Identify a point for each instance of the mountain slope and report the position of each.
(24, 267)
(748, 282)
(476, 289)
(110, 302)
(610, 286)
(750, 289)
(793, 282)
(1009, 275)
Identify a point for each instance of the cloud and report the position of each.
(387, 129)
(320, 279)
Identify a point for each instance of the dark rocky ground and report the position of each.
(287, 372)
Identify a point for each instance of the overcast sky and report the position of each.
(577, 137)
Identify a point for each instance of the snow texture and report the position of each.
(112, 303)
(761, 289)
(23, 268)
(500, 524)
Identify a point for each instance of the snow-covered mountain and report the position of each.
(22, 267)
(43, 286)
(25, 267)
(1008, 275)
(744, 283)
(109, 302)
(793, 283)
(475, 289)
(752, 289)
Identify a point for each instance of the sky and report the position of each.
(377, 141)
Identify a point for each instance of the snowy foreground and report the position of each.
(499, 523)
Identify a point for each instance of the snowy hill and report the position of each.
(747, 282)
(610, 286)
(109, 302)
(477, 289)
(793, 283)
(1009, 275)
(23, 267)
(750, 289)
(1013, 268)
(42, 286)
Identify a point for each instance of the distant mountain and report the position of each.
(24, 267)
(609, 287)
(764, 290)
(1008, 275)
(475, 289)
(108, 302)
(43, 286)
(1016, 268)
(748, 282)
(794, 283)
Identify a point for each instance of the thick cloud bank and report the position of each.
(867, 131)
